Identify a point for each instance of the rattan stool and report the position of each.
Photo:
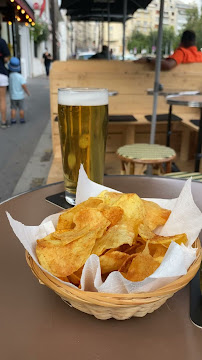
(145, 154)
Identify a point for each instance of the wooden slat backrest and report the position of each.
(129, 79)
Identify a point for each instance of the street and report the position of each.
(18, 142)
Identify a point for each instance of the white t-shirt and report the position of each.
(16, 81)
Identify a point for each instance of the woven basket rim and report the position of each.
(67, 292)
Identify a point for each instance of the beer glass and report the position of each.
(82, 119)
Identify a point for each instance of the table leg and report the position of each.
(169, 126)
(198, 151)
(130, 134)
(184, 147)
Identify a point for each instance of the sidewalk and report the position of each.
(37, 168)
(25, 149)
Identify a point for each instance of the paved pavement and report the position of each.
(26, 149)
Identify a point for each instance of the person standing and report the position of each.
(47, 61)
(4, 57)
(17, 88)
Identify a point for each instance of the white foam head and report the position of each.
(82, 97)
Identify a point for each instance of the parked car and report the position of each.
(127, 57)
(85, 55)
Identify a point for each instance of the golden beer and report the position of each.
(82, 117)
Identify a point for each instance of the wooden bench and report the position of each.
(131, 81)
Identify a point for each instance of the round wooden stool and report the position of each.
(145, 154)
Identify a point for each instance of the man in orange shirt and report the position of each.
(186, 53)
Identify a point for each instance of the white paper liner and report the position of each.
(185, 218)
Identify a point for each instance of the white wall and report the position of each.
(37, 67)
(62, 31)
(25, 46)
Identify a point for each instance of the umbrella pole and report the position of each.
(157, 74)
(125, 3)
(108, 10)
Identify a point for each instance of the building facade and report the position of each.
(147, 20)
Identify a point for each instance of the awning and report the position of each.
(25, 6)
(19, 10)
(98, 10)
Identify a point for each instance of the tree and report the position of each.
(138, 41)
(169, 42)
(194, 22)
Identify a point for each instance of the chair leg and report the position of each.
(131, 168)
(168, 167)
(123, 170)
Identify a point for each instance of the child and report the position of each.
(17, 87)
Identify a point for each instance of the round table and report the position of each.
(171, 92)
(146, 154)
(196, 102)
(112, 92)
(36, 324)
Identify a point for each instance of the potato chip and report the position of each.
(132, 206)
(155, 215)
(126, 264)
(140, 248)
(109, 197)
(145, 232)
(142, 266)
(114, 237)
(65, 279)
(157, 250)
(92, 217)
(63, 260)
(65, 220)
(166, 240)
(63, 238)
(112, 260)
(131, 249)
(74, 279)
(113, 214)
(78, 273)
(116, 227)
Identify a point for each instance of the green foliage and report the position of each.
(40, 32)
(168, 40)
(138, 41)
(192, 16)
(141, 41)
(194, 22)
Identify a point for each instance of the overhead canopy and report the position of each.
(28, 10)
(19, 9)
(98, 10)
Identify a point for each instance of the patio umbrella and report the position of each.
(103, 10)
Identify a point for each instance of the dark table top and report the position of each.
(37, 325)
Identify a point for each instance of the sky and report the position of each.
(191, 2)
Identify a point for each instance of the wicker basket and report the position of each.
(118, 306)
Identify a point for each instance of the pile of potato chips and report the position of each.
(119, 228)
